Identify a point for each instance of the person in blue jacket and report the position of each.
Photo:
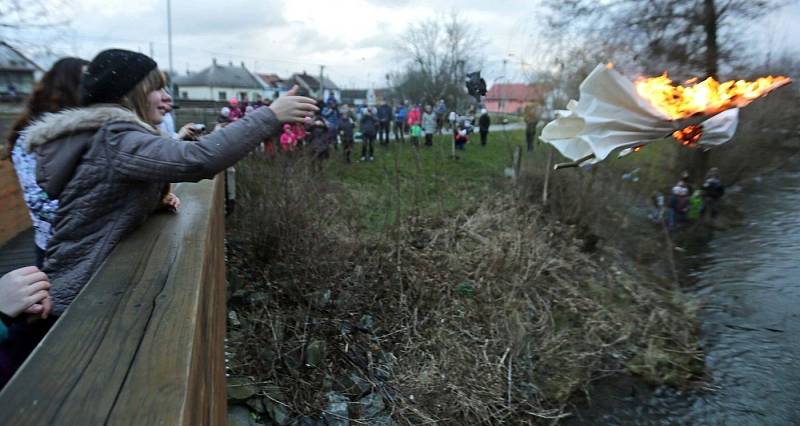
(400, 114)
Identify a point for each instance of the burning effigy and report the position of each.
(615, 114)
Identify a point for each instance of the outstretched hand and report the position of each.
(291, 108)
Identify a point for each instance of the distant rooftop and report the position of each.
(221, 76)
(13, 59)
(313, 82)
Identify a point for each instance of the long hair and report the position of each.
(57, 90)
(136, 99)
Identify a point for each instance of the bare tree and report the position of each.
(437, 53)
(697, 35)
(33, 25)
(32, 14)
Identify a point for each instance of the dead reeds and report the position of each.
(492, 315)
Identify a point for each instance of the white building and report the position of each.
(18, 74)
(309, 86)
(222, 83)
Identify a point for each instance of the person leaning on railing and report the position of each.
(107, 165)
(57, 90)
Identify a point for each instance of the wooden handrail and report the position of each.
(143, 342)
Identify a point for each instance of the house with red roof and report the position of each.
(510, 98)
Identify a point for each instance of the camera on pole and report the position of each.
(476, 86)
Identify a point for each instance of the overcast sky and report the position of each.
(354, 39)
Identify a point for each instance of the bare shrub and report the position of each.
(495, 315)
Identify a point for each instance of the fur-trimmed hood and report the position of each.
(58, 125)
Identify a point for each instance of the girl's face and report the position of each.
(158, 103)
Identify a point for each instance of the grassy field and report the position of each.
(404, 179)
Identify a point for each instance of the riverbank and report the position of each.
(419, 288)
(743, 279)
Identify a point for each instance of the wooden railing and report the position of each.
(143, 342)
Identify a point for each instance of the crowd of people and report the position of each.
(94, 163)
(340, 125)
(686, 204)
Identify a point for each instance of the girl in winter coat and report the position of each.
(413, 121)
(288, 138)
(429, 124)
(57, 90)
(107, 164)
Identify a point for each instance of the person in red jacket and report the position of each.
(414, 121)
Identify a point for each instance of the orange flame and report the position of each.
(707, 97)
(689, 135)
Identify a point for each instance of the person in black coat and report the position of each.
(346, 130)
(368, 130)
(384, 122)
(483, 125)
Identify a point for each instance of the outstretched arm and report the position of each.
(142, 156)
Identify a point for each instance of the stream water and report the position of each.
(748, 281)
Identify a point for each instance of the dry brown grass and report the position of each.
(493, 315)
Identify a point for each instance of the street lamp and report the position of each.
(169, 34)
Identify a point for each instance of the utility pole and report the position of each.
(169, 33)
(321, 82)
(152, 52)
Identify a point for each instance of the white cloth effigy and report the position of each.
(611, 116)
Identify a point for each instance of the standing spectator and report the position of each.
(288, 138)
(384, 122)
(414, 116)
(400, 114)
(346, 130)
(658, 207)
(189, 131)
(330, 113)
(678, 204)
(452, 118)
(57, 90)
(429, 124)
(368, 130)
(345, 111)
(320, 138)
(713, 190)
(441, 112)
(414, 122)
(483, 126)
(531, 121)
(235, 111)
(686, 178)
(224, 117)
(167, 126)
(300, 133)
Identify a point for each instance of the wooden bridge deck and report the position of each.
(18, 252)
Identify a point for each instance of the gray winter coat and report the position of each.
(429, 122)
(108, 170)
